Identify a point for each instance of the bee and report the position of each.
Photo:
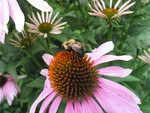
(74, 45)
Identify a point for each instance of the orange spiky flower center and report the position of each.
(3, 80)
(72, 76)
(110, 12)
(45, 27)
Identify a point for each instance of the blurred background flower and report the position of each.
(111, 12)
(8, 88)
(45, 24)
(11, 8)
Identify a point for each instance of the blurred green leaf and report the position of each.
(37, 83)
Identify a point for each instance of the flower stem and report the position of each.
(44, 46)
(48, 45)
(110, 29)
(35, 60)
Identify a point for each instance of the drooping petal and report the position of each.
(4, 18)
(108, 58)
(120, 90)
(114, 71)
(77, 107)
(46, 102)
(16, 14)
(55, 105)
(47, 84)
(116, 5)
(111, 100)
(9, 91)
(95, 108)
(86, 107)
(1, 95)
(69, 107)
(4, 14)
(2, 36)
(42, 95)
(41, 5)
(44, 72)
(101, 50)
(47, 58)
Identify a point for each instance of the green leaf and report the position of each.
(128, 78)
(37, 83)
(145, 108)
(90, 36)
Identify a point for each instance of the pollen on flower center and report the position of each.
(110, 12)
(71, 76)
(45, 27)
(3, 80)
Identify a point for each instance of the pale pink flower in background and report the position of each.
(76, 80)
(45, 24)
(111, 12)
(11, 8)
(8, 88)
(146, 58)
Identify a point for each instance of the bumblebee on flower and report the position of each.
(74, 79)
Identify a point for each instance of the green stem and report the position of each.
(79, 22)
(83, 15)
(60, 2)
(48, 45)
(35, 60)
(110, 29)
(44, 46)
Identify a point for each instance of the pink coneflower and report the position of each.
(45, 24)
(147, 57)
(11, 8)
(8, 88)
(76, 81)
(111, 12)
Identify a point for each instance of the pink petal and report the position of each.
(9, 91)
(2, 36)
(69, 107)
(21, 76)
(101, 50)
(16, 14)
(114, 71)
(46, 103)
(86, 107)
(43, 95)
(41, 5)
(47, 58)
(55, 105)
(120, 90)
(77, 107)
(1, 95)
(113, 103)
(108, 58)
(95, 108)
(4, 13)
(55, 31)
(47, 84)
(44, 72)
